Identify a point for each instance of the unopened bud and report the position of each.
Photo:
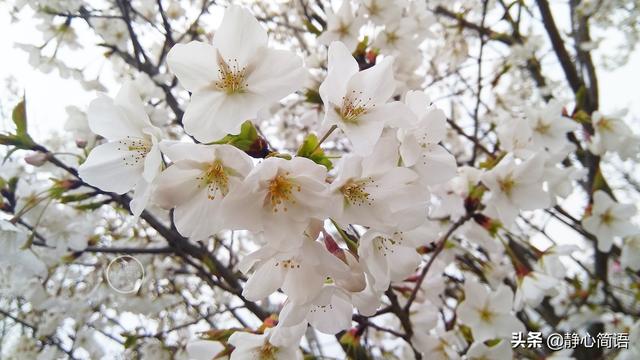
(522, 270)
(36, 159)
(371, 56)
(68, 184)
(259, 149)
(271, 321)
(491, 225)
(350, 338)
(333, 247)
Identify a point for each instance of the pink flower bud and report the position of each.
(333, 247)
(36, 159)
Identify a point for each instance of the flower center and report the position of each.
(136, 150)
(606, 218)
(231, 78)
(541, 127)
(280, 192)
(353, 107)
(392, 37)
(506, 185)
(604, 124)
(321, 308)
(485, 314)
(267, 352)
(289, 264)
(343, 29)
(215, 179)
(355, 193)
(374, 9)
(388, 244)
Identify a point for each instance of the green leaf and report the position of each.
(19, 116)
(581, 98)
(313, 96)
(492, 161)
(89, 206)
(312, 28)
(74, 197)
(221, 335)
(582, 117)
(9, 153)
(600, 183)
(248, 140)
(130, 341)
(20, 142)
(311, 150)
(21, 139)
(353, 348)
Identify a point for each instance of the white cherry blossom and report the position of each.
(300, 272)
(375, 192)
(613, 134)
(250, 346)
(12, 253)
(204, 349)
(279, 198)
(441, 345)
(488, 313)
(131, 157)
(481, 351)
(419, 141)
(197, 183)
(631, 252)
(548, 127)
(356, 101)
(329, 312)
(608, 219)
(342, 25)
(234, 78)
(516, 187)
(397, 37)
(387, 257)
(380, 11)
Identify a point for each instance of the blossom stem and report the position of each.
(435, 254)
(324, 137)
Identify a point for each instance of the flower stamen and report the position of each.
(137, 148)
(355, 193)
(353, 107)
(280, 192)
(215, 179)
(231, 78)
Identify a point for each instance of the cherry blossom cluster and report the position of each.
(382, 187)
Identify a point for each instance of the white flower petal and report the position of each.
(194, 64)
(109, 121)
(276, 82)
(342, 66)
(211, 115)
(106, 169)
(239, 35)
(264, 281)
(204, 349)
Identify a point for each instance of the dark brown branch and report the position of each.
(573, 78)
